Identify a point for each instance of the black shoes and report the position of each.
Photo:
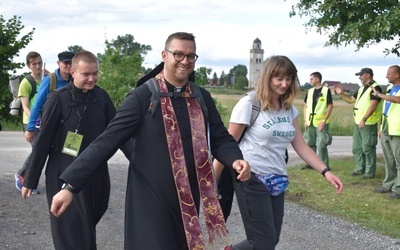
(356, 173)
(381, 190)
(394, 195)
(367, 176)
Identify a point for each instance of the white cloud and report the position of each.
(224, 30)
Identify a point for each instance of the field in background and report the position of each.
(341, 117)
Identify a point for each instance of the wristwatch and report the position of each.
(65, 186)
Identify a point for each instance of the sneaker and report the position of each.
(35, 191)
(305, 167)
(381, 190)
(394, 195)
(19, 183)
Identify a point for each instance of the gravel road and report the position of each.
(24, 224)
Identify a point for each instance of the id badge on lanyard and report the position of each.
(72, 144)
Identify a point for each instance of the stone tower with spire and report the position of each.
(256, 63)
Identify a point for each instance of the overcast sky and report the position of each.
(224, 30)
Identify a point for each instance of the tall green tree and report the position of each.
(358, 22)
(215, 79)
(127, 45)
(75, 48)
(11, 42)
(222, 79)
(238, 76)
(202, 75)
(121, 67)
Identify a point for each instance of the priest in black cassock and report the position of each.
(170, 173)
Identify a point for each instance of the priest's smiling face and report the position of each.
(179, 61)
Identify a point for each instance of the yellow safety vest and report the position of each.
(362, 104)
(320, 108)
(393, 117)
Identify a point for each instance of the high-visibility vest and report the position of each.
(320, 108)
(362, 104)
(393, 117)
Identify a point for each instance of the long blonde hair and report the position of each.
(277, 66)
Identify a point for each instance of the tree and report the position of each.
(121, 67)
(307, 85)
(222, 79)
(354, 21)
(126, 45)
(75, 48)
(239, 70)
(11, 42)
(238, 74)
(215, 79)
(202, 75)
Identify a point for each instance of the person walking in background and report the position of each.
(317, 109)
(261, 199)
(170, 173)
(73, 117)
(367, 113)
(389, 133)
(63, 76)
(27, 93)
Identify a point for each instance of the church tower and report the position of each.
(256, 63)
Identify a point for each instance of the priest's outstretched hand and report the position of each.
(242, 167)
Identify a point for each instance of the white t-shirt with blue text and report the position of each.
(264, 143)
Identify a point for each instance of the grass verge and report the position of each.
(357, 203)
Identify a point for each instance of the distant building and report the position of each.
(256, 63)
(349, 88)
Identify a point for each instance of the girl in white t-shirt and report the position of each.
(261, 199)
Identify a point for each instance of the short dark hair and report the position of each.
(179, 36)
(317, 75)
(84, 56)
(30, 55)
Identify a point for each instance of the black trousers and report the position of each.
(262, 214)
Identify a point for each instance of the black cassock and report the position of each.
(76, 228)
(152, 216)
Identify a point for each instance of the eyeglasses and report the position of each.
(179, 57)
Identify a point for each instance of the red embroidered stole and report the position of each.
(214, 218)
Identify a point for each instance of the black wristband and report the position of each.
(65, 186)
(325, 170)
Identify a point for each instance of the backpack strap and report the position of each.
(255, 107)
(32, 81)
(155, 94)
(255, 110)
(201, 101)
(66, 104)
(53, 82)
(152, 84)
